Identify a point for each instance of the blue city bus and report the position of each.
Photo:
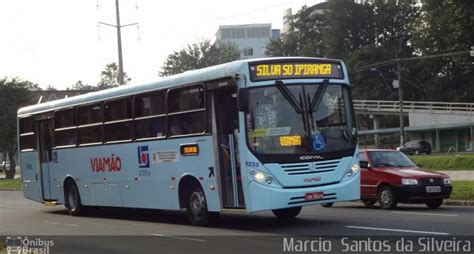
(251, 135)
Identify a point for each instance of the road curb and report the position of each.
(6, 189)
(460, 202)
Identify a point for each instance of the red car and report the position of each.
(390, 177)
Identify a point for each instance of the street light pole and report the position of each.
(400, 98)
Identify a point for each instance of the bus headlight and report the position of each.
(353, 170)
(260, 177)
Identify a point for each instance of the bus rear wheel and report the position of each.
(197, 208)
(73, 200)
(287, 213)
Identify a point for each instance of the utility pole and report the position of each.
(400, 101)
(118, 26)
(119, 44)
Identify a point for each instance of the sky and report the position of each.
(58, 42)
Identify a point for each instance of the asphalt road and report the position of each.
(19, 216)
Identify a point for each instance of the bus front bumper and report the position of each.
(269, 198)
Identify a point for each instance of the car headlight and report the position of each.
(408, 181)
(353, 170)
(447, 181)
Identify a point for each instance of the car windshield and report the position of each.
(300, 119)
(382, 159)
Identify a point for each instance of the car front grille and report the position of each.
(431, 181)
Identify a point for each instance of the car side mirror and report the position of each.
(364, 164)
(243, 100)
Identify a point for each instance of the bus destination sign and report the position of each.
(294, 70)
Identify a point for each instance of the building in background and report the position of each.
(251, 39)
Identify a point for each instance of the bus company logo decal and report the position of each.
(311, 157)
(20, 245)
(112, 164)
(143, 157)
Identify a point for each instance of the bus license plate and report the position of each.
(433, 189)
(314, 195)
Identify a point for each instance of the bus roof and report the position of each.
(188, 77)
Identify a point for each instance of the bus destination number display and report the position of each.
(190, 150)
(266, 71)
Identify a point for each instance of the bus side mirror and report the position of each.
(243, 100)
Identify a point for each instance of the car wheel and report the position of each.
(327, 205)
(417, 152)
(287, 213)
(428, 152)
(434, 203)
(368, 202)
(73, 200)
(387, 199)
(197, 208)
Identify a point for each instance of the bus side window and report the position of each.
(27, 134)
(186, 111)
(90, 124)
(150, 115)
(65, 128)
(118, 120)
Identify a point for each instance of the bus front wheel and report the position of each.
(287, 213)
(73, 200)
(197, 208)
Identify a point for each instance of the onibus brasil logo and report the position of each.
(26, 245)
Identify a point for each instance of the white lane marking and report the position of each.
(433, 214)
(181, 238)
(57, 223)
(52, 222)
(399, 230)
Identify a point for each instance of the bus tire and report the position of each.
(73, 200)
(287, 213)
(196, 208)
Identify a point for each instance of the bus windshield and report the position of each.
(300, 119)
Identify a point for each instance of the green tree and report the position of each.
(348, 26)
(303, 38)
(14, 93)
(109, 77)
(79, 85)
(393, 23)
(446, 26)
(198, 55)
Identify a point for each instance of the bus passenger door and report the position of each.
(45, 145)
(226, 125)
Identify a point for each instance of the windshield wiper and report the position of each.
(289, 97)
(318, 96)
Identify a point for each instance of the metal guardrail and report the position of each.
(414, 106)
